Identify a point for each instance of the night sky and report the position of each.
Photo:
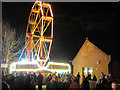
(73, 22)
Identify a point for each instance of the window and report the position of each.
(87, 70)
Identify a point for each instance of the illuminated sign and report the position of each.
(58, 67)
(28, 66)
(4, 65)
(34, 66)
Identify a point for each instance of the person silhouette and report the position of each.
(40, 80)
(78, 77)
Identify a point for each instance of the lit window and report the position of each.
(87, 70)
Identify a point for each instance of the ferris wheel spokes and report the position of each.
(39, 32)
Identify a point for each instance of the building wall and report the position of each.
(88, 56)
(114, 69)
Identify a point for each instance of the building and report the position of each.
(90, 59)
(114, 68)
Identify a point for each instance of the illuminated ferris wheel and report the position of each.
(38, 41)
(39, 33)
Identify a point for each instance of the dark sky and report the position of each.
(73, 22)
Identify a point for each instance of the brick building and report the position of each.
(90, 59)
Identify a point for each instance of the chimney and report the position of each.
(86, 38)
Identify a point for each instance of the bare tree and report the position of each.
(11, 44)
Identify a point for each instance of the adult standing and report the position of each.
(94, 78)
(102, 76)
(85, 83)
(74, 84)
(34, 75)
(98, 85)
(40, 80)
(48, 79)
(66, 84)
(28, 81)
(53, 84)
(109, 81)
(78, 77)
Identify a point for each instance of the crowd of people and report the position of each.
(27, 81)
(56, 81)
(106, 82)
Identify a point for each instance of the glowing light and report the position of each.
(90, 70)
(47, 18)
(34, 42)
(23, 60)
(37, 28)
(61, 64)
(13, 67)
(51, 11)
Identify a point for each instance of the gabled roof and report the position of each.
(88, 48)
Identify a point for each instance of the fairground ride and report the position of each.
(38, 41)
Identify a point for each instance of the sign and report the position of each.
(4, 65)
(34, 66)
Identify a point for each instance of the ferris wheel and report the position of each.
(39, 33)
(38, 41)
